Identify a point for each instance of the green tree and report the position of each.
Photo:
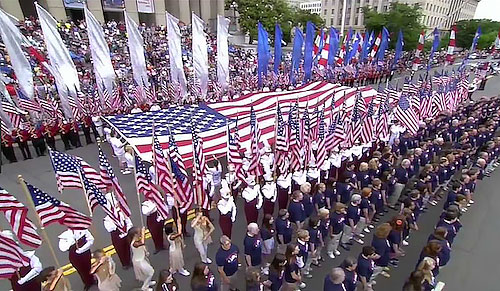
(399, 16)
(466, 30)
(270, 12)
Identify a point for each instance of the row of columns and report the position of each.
(206, 9)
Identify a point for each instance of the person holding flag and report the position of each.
(78, 243)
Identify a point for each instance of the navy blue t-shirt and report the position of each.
(328, 285)
(324, 227)
(303, 251)
(351, 280)
(450, 199)
(394, 238)
(320, 199)
(266, 234)
(284, 228)
(297, 212)
(308, 205)
(344, 191)
(276, 278)
(253, 248)
(382, 248)
(337, 222)
(289, 269)
(365, 204)
(228, 259)
(353, 212)
(315, 236)
(401, 175)
(365, 267)
(364, 178)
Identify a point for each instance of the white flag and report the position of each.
(175, 53)
(60, 60)
(99, 49)
(222, 51)
(136, 50)
(200, 53)
(12, 38)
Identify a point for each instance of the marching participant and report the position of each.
(325, 169)
(227, 212)
(230, 180)
(155, 223)
(284, 184)
(269, 193)
(216, 177)
(267, 159)
(253, 200)
(25, 278)
(78, 243)
(119, 236)
(104, 270)
(313, 174)
(299, 177)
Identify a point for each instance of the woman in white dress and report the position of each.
(142, 268)
(203, 229)
(104, 269)
(175, 251)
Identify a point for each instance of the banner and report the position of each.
(175, 53)
(200, 53)
(74, 4)
(145, 6)
(136, 51)
(113, 5)
(222, 51)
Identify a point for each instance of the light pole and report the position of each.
(234, 6)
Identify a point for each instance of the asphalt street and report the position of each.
(474, 257)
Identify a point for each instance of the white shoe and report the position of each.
(152, 283)
(471, 201)
(366, 230)
(207, 261)
(331, 255)
(433, 203)
(184, 272)
(126, 172)
(405, 243)
(359, 241)
(302, 285)
(361, 235)
(337, 253)
(371, 226)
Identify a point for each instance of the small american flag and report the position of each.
(368, 127)
(111, 181)
(294, 142)
(234, 152)
(106, 96)
(199, 170)
(68, 169)
(183, 188)
(405, 114)
(382, 127)
(12, 256)
(25, 103)
(17, 215)
(306, 135)
(96, 198)
(322, 151)
(12, 111)
(281, 145)
(50, 210)
(355, 128)
(117, 100)
(336, 133)
(255, 167)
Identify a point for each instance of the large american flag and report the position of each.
(163, 174)
(12, 256)
(405, 114)
(146, 187)
(69, 168)
(17, 215)
(95, 198)
(179, 173)
(199, 166)
(50, 210)
(111, 181)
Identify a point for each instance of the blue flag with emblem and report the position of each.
(383, 45)
(298, 40)
(476, 39)
(333, 46)
(435, 46)
(278, 37)
(262, 53)
(308, 50)
(399, 49)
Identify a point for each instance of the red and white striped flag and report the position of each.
(281, 143)
(368, 126)
(255, 167)
(405, 114)
(234, 155)
(179, 173)
(17, 215)
(451, 46)
(376, 45)
(111, 181)
(294, 141)
(199, 166)
(12, 256)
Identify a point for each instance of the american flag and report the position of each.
(451, 46)
(163, 176)
(336, 133)
(69, 168)
(420, 48)
(106, 96)
(305, 134)
(183, 187)
(25, 103)
(111, 181)
(281, 144)
(12, 256)
(255, 167)
(355, 126)
(234, 155)
(322, 151)
(128, 100)
(12, 112)
(117, 100)
(382, 127)
(140, 94)
(405, 114)
(294, 142)
(95, 198)
(17, 215)
(150, 92)
(164, 89)
(50, 210)
(368, 126)
(324, 45)
(199, 166)
(376, 45)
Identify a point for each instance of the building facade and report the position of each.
(143, 11)
(436, 13)
(312, 7)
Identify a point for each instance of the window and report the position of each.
(324, 12)
(333, 11)
(331, 21)
(356, 21)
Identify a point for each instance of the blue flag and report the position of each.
(354, 50)
(399, 49)
(321, 45)
(435, 46)
(476, 39)
(308, 50)
(347, 42)
(297, 53)
(262, 53)
(364, 48)
(333, 46)
(383, 45)
(278, 36)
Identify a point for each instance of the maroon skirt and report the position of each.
(251, 211)
(81, 262)
(122, 247)
(282, 198)
(226, 224)
(156, 229)
(32, 284)
(268, 206)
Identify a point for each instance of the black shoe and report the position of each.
(345, 247)
(385, 210)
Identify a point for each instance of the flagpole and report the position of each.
(44, 232)
(85, 194)
(137, 192)
(342, 27)
(195, 168)
(177, 211)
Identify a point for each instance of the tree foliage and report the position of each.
(466, 30)
(399, 16)
(270, 12)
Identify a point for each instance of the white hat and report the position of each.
(268, 177)
(225, 193)
(231, 168)
(268, 149)
(250, 180)
(312, 163)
